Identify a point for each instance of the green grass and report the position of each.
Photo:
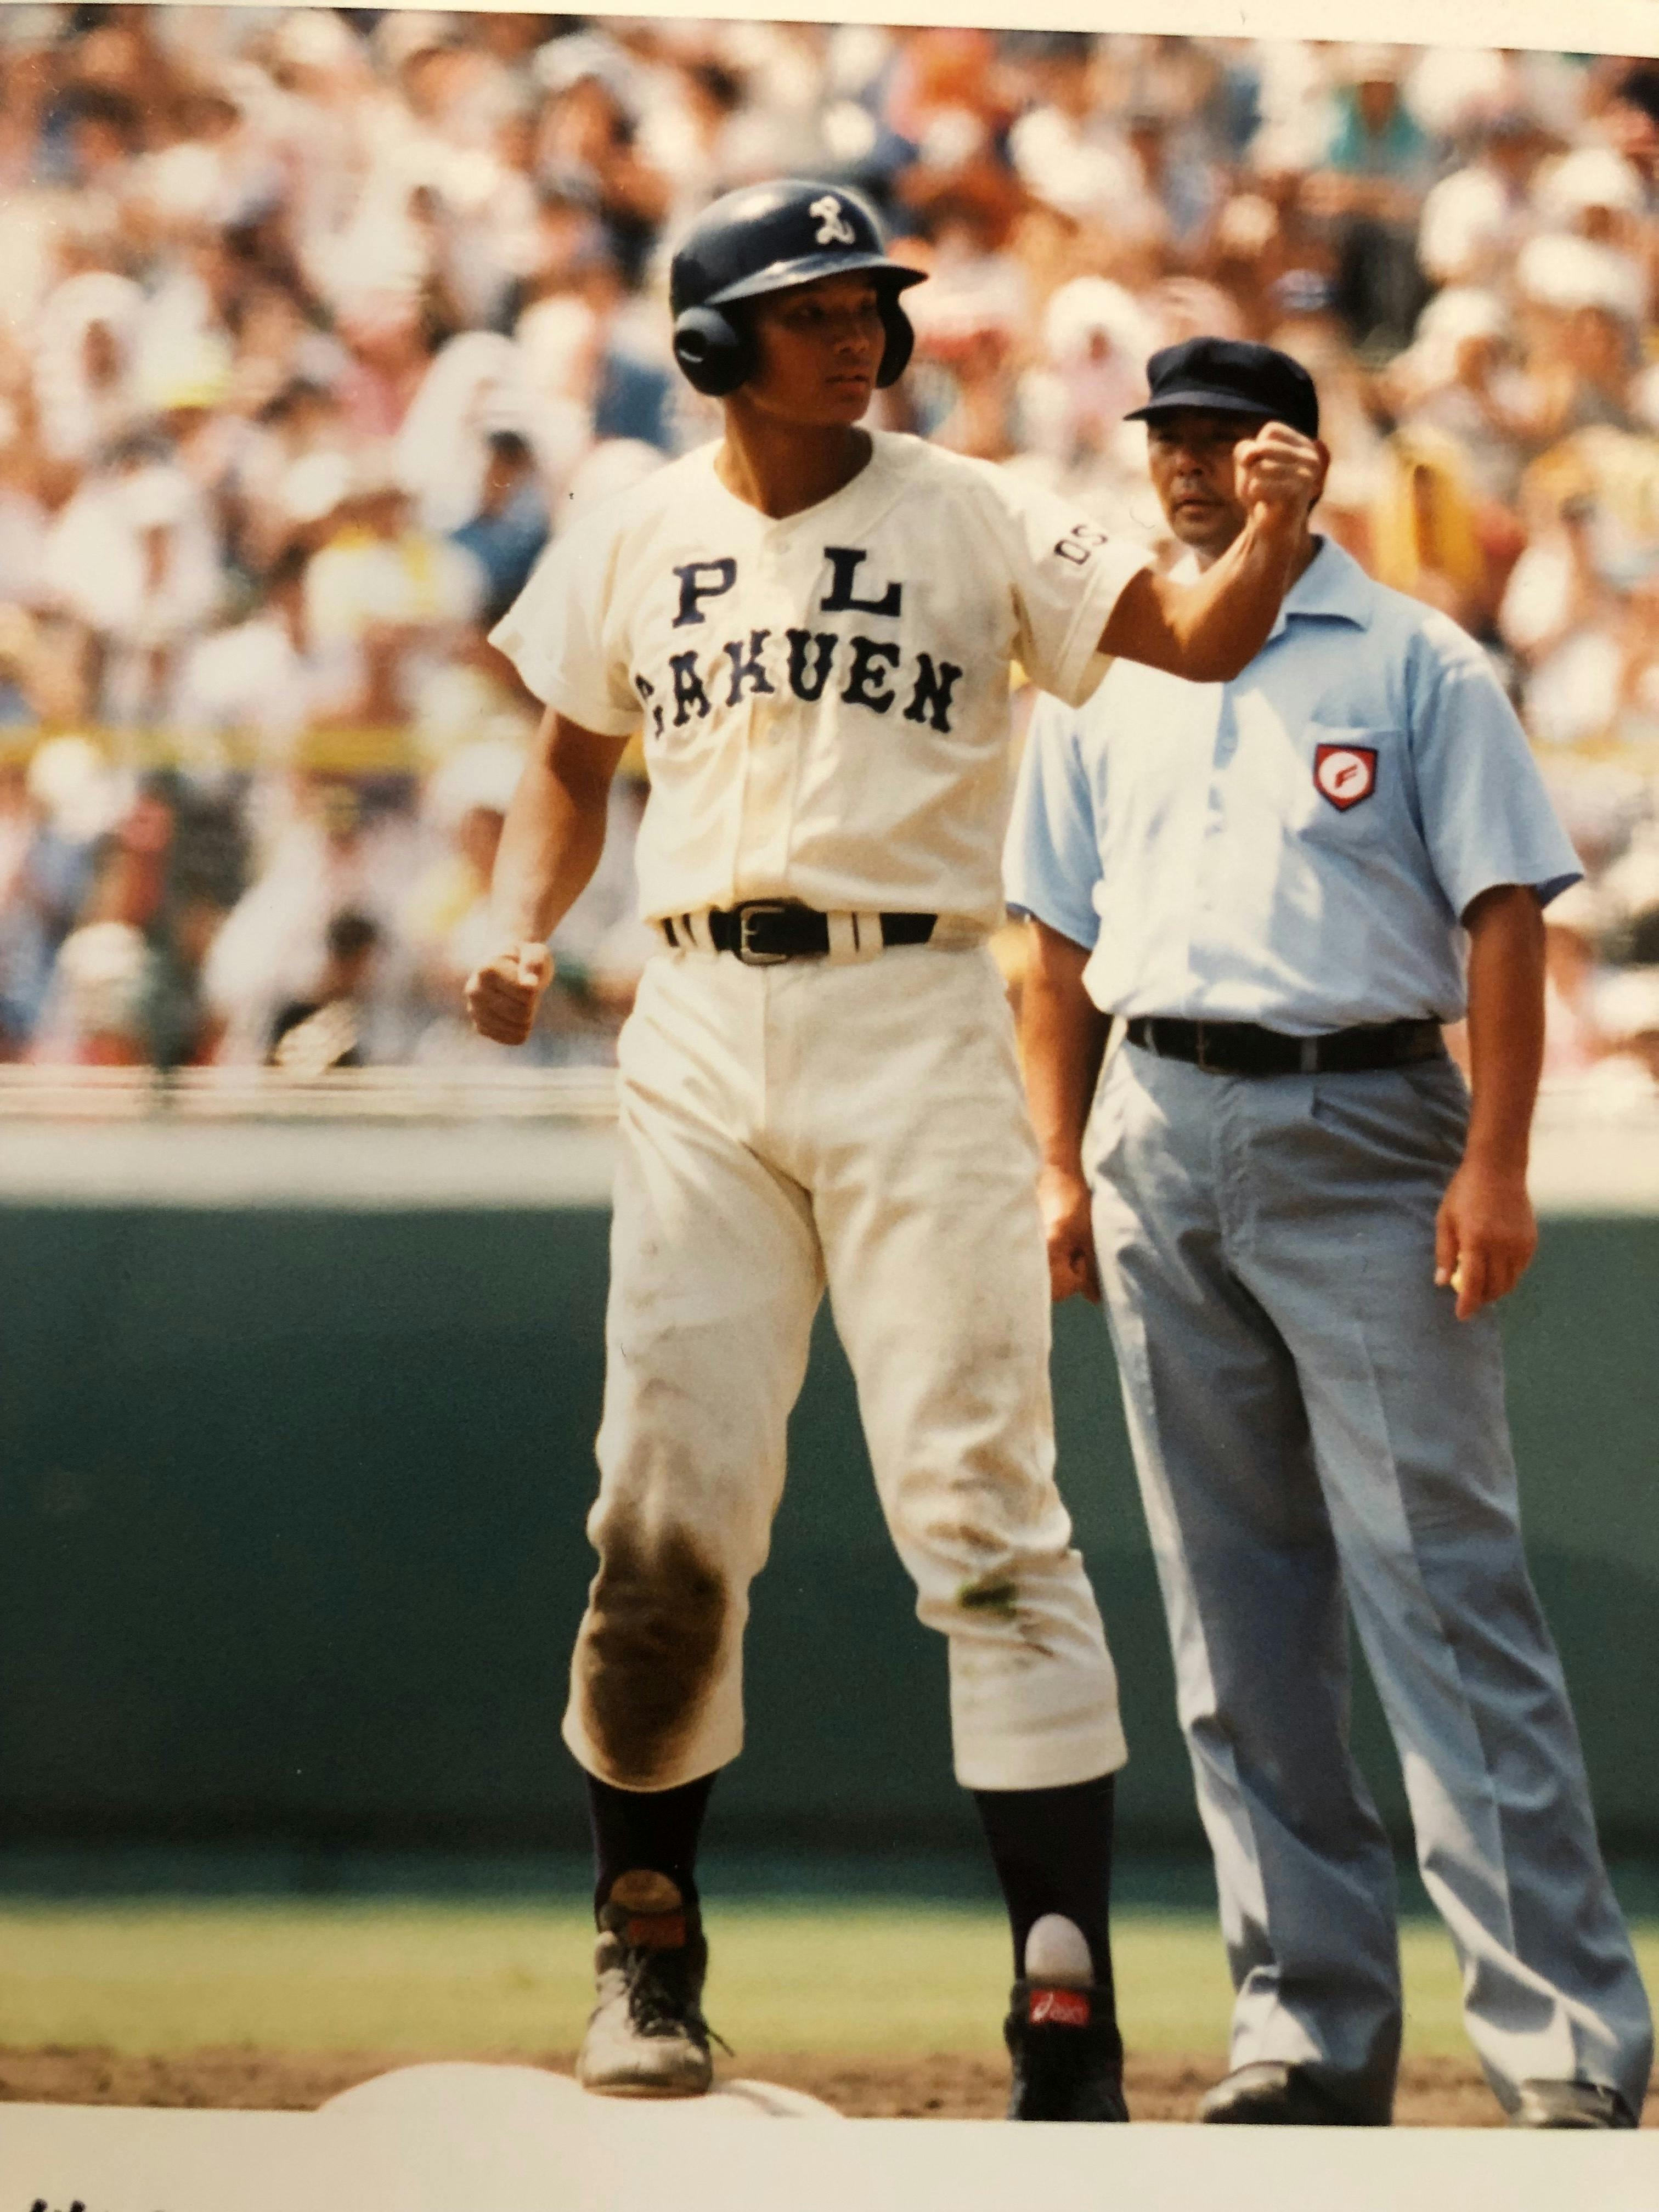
(504, 1980)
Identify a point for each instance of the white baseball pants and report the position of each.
(860, 1127)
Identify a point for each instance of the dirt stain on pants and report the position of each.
(647, 1656)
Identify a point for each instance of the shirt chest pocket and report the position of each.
(1346, 783)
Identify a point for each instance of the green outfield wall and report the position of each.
(291, 1545)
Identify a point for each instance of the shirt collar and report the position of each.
(1333, 587)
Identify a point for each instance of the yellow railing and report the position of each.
(384, 749)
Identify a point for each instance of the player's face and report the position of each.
(819, 347)
(1190, 453)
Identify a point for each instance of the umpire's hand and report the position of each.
(1068, 1224)
(1485, 1235)
(502, 996)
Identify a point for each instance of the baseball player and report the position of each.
(814, 624)
(1285, 883)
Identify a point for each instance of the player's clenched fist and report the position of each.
(503, 995)
(1279, 473)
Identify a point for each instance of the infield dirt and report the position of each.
(1433, 2092)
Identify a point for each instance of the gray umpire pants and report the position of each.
(1314, 1431)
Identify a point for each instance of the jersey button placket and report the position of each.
(787, 610)
(763, 849)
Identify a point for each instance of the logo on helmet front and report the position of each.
(834, 229)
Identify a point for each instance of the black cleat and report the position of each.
(1270, 2093)
(1068, 2055)
(1570, 2105)
(647, 2036)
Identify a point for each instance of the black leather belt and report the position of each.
(762, 931)
(1242, 1048)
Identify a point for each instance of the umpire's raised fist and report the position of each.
(503, 995)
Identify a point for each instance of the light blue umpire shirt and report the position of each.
(1295, 847)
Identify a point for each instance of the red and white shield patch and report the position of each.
(1346, 774)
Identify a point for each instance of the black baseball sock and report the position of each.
(652, 1829)
(1053, 1853)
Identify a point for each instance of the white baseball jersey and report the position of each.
(824, 697)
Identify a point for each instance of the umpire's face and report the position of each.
(1190, 453)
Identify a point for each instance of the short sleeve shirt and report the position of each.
(824, 698)
(1294, 848)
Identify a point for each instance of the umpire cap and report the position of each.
(1230, 376)
(768, 238)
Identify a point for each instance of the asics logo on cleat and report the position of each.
(1058, 2008)
(656, 1931)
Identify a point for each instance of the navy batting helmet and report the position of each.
(766, 238)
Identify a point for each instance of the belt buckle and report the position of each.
(745, 947)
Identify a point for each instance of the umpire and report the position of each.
(1301, 1218)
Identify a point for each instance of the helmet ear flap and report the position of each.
(901, 341)
(711, 350)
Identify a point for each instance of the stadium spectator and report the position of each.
(1574, 1039)
(126, 988)
(132, 559)
(1377, 168)
(246, 694)
(1475, 220)
(510, 527)
(588, 131)
(446, 918)
(322, 853)
(382, 586)
(314, 1035)
(1558, 615)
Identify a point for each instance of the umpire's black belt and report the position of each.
(1242, 1048)
(764, 931)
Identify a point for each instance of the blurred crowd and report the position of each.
(316, 324)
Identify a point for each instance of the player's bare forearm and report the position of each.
(1062, 1040)
(1209, 630)
(1487, 1233)
(551, 840)
(554, 832)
